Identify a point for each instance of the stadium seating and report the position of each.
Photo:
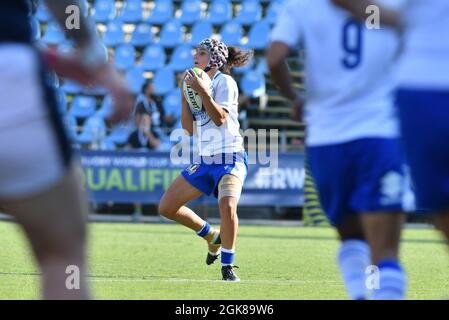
(190, 12)
(124, 56)
(135, 78)
(53, 34)
(162, 12)
(142, 35)
(181, 58)
(132, 11)
(249, 13)
(119, 134)
(172, 103)
(93, 130)
(253, 84)
(258, 36)
(105, 108)
(153, 57)
(71, 87)
(104, 10)
(42, 13)
(201, 30)
(83, 106)
(171, 34)
(164, 81)
(157, 37)
(231, 33)
(273, 11)
(114, 34)
(220, 11)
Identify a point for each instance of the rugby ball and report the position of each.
(192, 97)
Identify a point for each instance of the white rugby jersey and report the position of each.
(425, 61)
(349, 74)
(214, 140)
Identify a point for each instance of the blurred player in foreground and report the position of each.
(352, 139)
(422, 96)
(223, 166)
(39, 182)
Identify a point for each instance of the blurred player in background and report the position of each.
(39, 182)
(352, 134)
(422, 96)
(223, 166)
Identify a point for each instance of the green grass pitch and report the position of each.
(166, 261)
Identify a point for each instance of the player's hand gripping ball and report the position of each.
(194, 80)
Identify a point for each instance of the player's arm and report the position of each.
(92, 61)
(388, 16)
(277, 54)
(82, 35)
(213, 109)
(186, 115)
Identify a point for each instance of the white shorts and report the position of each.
(34, 149)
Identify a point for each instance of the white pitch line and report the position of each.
(260, 281)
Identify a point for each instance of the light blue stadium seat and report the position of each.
(162, 12)
(181, 58)
(231, 33)
(142, 35)
(253, 84)
(70, 126)
(104, 10)
(164, 81)
(83, 106)
(93, 131)
(132, 11)
(42, 13)
(114, 34)
(107, 144)
(105, 108)
(120, 133)
(190, 12)
(71, 87)
(258, 36)
(35, 28)
(220, 11)
(153, 57)
(262, 66)
(124, 56)
(135, 78)
(171, 34)
(249, 13)
(172, 103)
(53, 34)
(200, 31)
(273, 11)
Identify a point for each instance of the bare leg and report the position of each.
(229, 222)
(172, 205)
(383, 231)
(55, 224)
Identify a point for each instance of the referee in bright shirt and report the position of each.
(39, 184)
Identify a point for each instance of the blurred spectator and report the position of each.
(144, 137)
(151, 103)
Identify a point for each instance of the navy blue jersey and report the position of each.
(14, 23)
